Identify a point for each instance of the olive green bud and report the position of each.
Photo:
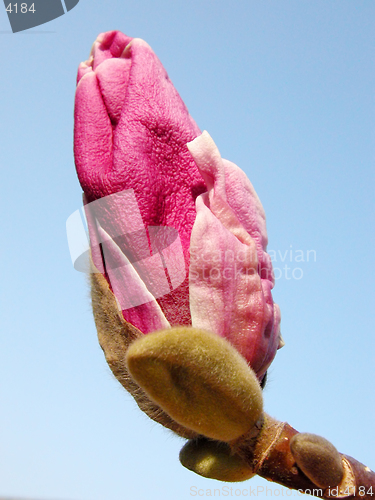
(214, 460)
(199, 379)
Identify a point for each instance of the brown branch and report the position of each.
(270, 457)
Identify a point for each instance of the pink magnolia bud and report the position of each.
(178, 232)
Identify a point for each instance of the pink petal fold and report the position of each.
(227, 293)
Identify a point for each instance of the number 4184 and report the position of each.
(23, 8)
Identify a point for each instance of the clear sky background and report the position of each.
(286, 90)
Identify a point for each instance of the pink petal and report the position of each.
(138, 305)
(227, 294)
(140, 144)
(92, 135)
(152, 262)
(131, 282)
(244, 201)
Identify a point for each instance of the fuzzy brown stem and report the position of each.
(271, 458)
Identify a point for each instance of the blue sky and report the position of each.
(285, 88)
